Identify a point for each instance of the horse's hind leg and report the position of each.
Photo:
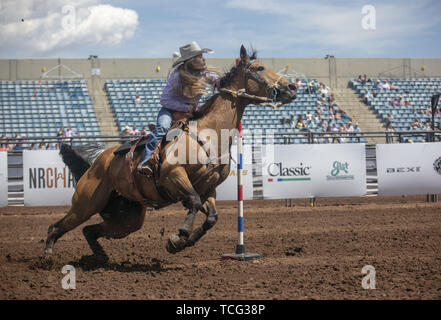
(90, 197)
(123, 219)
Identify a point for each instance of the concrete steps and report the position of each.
(105, 116)
(368, 121)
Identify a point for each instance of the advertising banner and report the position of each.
(314, 170)
(3, 178)
(409, 169)
(228, 189)
(47, 181)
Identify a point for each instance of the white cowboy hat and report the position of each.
(189, 51)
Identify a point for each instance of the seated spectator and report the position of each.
(374, 93)
(60, 133)
(298, 84)
(392, 86)
(367, 96)
(330, 99)
(308, 116)
(360, 79)
(143, 131)
(68, 133)
(407, 103)
(323, 89)
(349, 127)
(137, 99)
(385, 85)
(151, 126)
(356, 128)
(415, 125)
(427, 126)
(126, 132)
(42, 146)
(135, 131)
(365, 79)
(377, 86)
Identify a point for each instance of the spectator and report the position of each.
(407, 103)
(392, 86)
(360, 79)
(137, 99)
(60, 133)
(308, 116)
(389, 120)
(415, 125)
(367, 96)
(365, 79)
(68, 133)
(385, 85)
(42, 146)
(377, 86)
(330, 99)
(126, 132)
(18, 147)
(298, 84)
(143, 131)
(135, 131)
(389, 135)
(3, 145)
(323, 89)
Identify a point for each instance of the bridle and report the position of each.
(272, 90)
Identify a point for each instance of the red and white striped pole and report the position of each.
(240, 247)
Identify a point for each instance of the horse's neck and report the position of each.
(226, 113)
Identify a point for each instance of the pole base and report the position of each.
(240, 256)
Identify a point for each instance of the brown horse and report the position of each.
(105, 187)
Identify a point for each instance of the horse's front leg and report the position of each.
(180, 187)
(209, 209)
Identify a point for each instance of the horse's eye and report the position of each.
(260, 68)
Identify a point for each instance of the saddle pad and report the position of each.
(126, 146)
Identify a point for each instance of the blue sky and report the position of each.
(276, 28)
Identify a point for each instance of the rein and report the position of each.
(262, 101)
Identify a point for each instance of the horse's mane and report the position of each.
(223, 82)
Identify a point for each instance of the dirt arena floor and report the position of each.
(306, 253)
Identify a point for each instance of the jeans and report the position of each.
(163, 123)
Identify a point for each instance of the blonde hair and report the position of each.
(192, 83)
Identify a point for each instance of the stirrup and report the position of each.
(145, 168)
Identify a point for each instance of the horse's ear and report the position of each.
(244, 55)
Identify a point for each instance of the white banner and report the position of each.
(47, 181)
(409, 169)
(314, 170)
(3, 178)
(227, 190)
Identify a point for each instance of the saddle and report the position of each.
(179, 121)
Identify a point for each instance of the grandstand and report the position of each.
(418, 93)
(105, 100)
(40, 108)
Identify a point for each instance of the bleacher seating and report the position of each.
(122, 94)
(418, 91)
(40, 108)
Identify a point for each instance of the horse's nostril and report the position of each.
(292, 87)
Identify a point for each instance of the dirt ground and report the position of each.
(306, 253)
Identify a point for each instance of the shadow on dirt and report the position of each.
(90, 263)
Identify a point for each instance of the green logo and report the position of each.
(340, 171)
(339, 166)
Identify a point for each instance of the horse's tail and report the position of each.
(80, 158)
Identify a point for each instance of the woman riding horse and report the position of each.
(106, 183)
(185, 85)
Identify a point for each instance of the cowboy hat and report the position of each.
(189, 51)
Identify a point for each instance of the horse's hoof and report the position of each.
(48, 251)
(175, 244)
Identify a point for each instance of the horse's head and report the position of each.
(260, 80)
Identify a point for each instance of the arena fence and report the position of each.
(253, 177)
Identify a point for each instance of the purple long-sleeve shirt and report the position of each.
(170, 99)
